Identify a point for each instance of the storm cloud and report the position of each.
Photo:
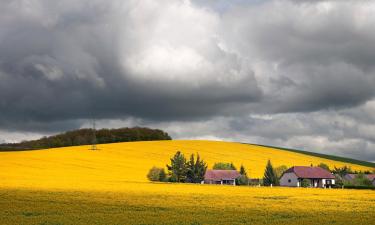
(289, 73)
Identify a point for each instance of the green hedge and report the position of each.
(358, 187)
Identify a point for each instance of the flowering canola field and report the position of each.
(76, 186)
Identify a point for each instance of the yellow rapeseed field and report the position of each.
(113, 164)
(77, 186)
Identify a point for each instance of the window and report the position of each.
(289, 181)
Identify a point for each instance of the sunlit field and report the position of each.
(113, 164)
(144, 203)
(77, 186)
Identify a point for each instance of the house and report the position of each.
(350, 177)
(316, 176)
(221, 177)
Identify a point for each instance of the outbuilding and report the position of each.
(221, 177)
(316, 177)
(351, 176)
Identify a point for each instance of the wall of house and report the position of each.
(290, 180)
(324, 181)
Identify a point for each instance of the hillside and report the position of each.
(88, 136)
(325, 156)
(116, 164)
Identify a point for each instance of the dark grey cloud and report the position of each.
(100, 59)
(289, 73)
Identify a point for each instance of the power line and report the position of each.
(94, 141)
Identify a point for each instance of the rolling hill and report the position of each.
(115, 165)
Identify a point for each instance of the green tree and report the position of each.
(361, 180)
(342, 171)
(324, 166)
(280, 170)
(243, 170)
(269, 175)
(177, 169)
(195, 169)
(156, 174)
(224, 166)
(243, 179)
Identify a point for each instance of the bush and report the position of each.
(324, 166)
(242, 180)
(280, 170)
(156, 174)
(305, 183)
(359, 187)
(361, 180)
(224, 166)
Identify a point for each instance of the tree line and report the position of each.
(87, 136)
(180, 170)
(193, 170)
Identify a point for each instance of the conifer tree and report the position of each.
(196, 169)
(177, 169)
(270, 175)
(201, 167)
(243, 171)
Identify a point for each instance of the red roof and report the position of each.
(370, 176)
(352, 176)
(221, 174)
(310, 172)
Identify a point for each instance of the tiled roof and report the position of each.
(221, 174)
(351, 176)
(310, 172)
(370, 176)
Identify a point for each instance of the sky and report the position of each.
(298, 74)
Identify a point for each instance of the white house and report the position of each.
(316, 176)
(221, 177)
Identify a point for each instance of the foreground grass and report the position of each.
(147, 203)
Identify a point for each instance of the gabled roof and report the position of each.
(221, 174)
(351, 176)
(370, 176)
(310, 172)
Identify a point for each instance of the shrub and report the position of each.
(361, 180)
(156, 174)
(358, 187)
(305, 183)
(242, 180)
(224, 166)
(324, 166)
(280, 170)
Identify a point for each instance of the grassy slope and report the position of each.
(113, 164)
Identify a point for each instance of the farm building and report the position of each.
(221, 177)
(316, 177)
(350, 177)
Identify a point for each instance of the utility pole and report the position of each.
(94, 141)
